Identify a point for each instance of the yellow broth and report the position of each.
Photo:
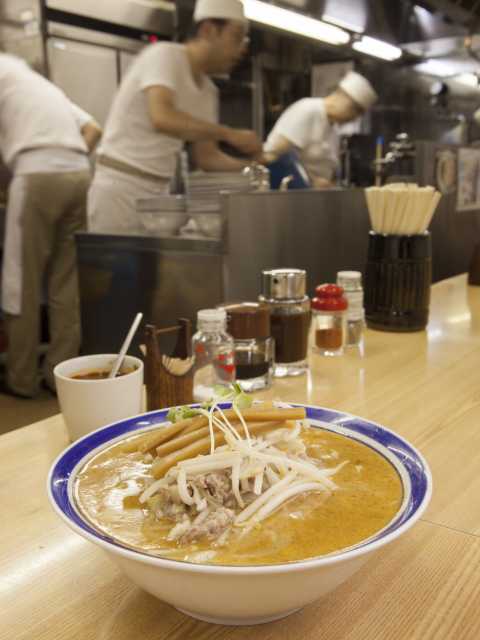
(369, 495)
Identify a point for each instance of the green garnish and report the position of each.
(234, 392)
(181, 413)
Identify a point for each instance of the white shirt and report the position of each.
(129, 134)
(35, 114)
(306, 125)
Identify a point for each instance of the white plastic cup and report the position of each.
(90, 404)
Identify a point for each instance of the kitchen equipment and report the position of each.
(399, 161)
(162, 216)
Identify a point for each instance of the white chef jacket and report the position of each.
(129, 134)
(36, 115)
(306, 125)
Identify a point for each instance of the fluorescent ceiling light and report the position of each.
(467, 79)
(340, 22)
(346, 14)
(435, 68)
(294, 22)
(377, 48)
(422, 12)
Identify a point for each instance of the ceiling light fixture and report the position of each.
(340, 22)
(294, 22)
(377, 48)
(435, 68)
(468, 79)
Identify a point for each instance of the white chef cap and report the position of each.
(219, 10)
(359, 89)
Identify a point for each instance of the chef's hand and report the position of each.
(265, 158)
(322, 183)
(245, 141)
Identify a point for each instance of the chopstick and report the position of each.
(401, 208)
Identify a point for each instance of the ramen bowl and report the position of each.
(252, 594)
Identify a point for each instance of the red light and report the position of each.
(153, 39)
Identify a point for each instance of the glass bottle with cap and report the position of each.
(284, 290)
(249, 324)
(213, 349)
(351, 282)
(329, 320)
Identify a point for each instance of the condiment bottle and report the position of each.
(213, 349)
(249, 324)
(351, 281)
(284, 291)
(329, 317)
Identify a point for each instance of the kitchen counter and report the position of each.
(321, 231)
(425, 586)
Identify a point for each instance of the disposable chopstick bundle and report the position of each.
(401, 208)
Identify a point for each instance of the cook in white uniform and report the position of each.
(44, 141)
(165, 100)
(308, 126)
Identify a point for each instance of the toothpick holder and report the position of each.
(169, 379)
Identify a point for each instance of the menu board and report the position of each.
(468, 193)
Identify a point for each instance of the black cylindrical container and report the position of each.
(397, 282)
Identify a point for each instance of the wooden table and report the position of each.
(426, 386)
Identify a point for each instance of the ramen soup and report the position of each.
(101, 374)
(261, 491)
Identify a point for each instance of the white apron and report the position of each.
(52, 160)
(12, 263)
(112, 200)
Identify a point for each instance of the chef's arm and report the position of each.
(167, 119)
(282, 145)
(91, 132)
(208, 157)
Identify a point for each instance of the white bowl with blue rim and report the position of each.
(244, 595)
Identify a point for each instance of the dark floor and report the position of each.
(16, 412)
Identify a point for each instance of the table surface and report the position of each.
(425, 386)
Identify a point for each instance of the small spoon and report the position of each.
(126, 344)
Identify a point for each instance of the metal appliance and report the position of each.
(398, 165)
(98, 41)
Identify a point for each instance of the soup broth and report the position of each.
(368, 495)
(101, 374)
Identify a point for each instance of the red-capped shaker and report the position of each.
(329, 320)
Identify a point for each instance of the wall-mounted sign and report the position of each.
(468, 197)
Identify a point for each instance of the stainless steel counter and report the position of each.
(324, 232)
(165, 278)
